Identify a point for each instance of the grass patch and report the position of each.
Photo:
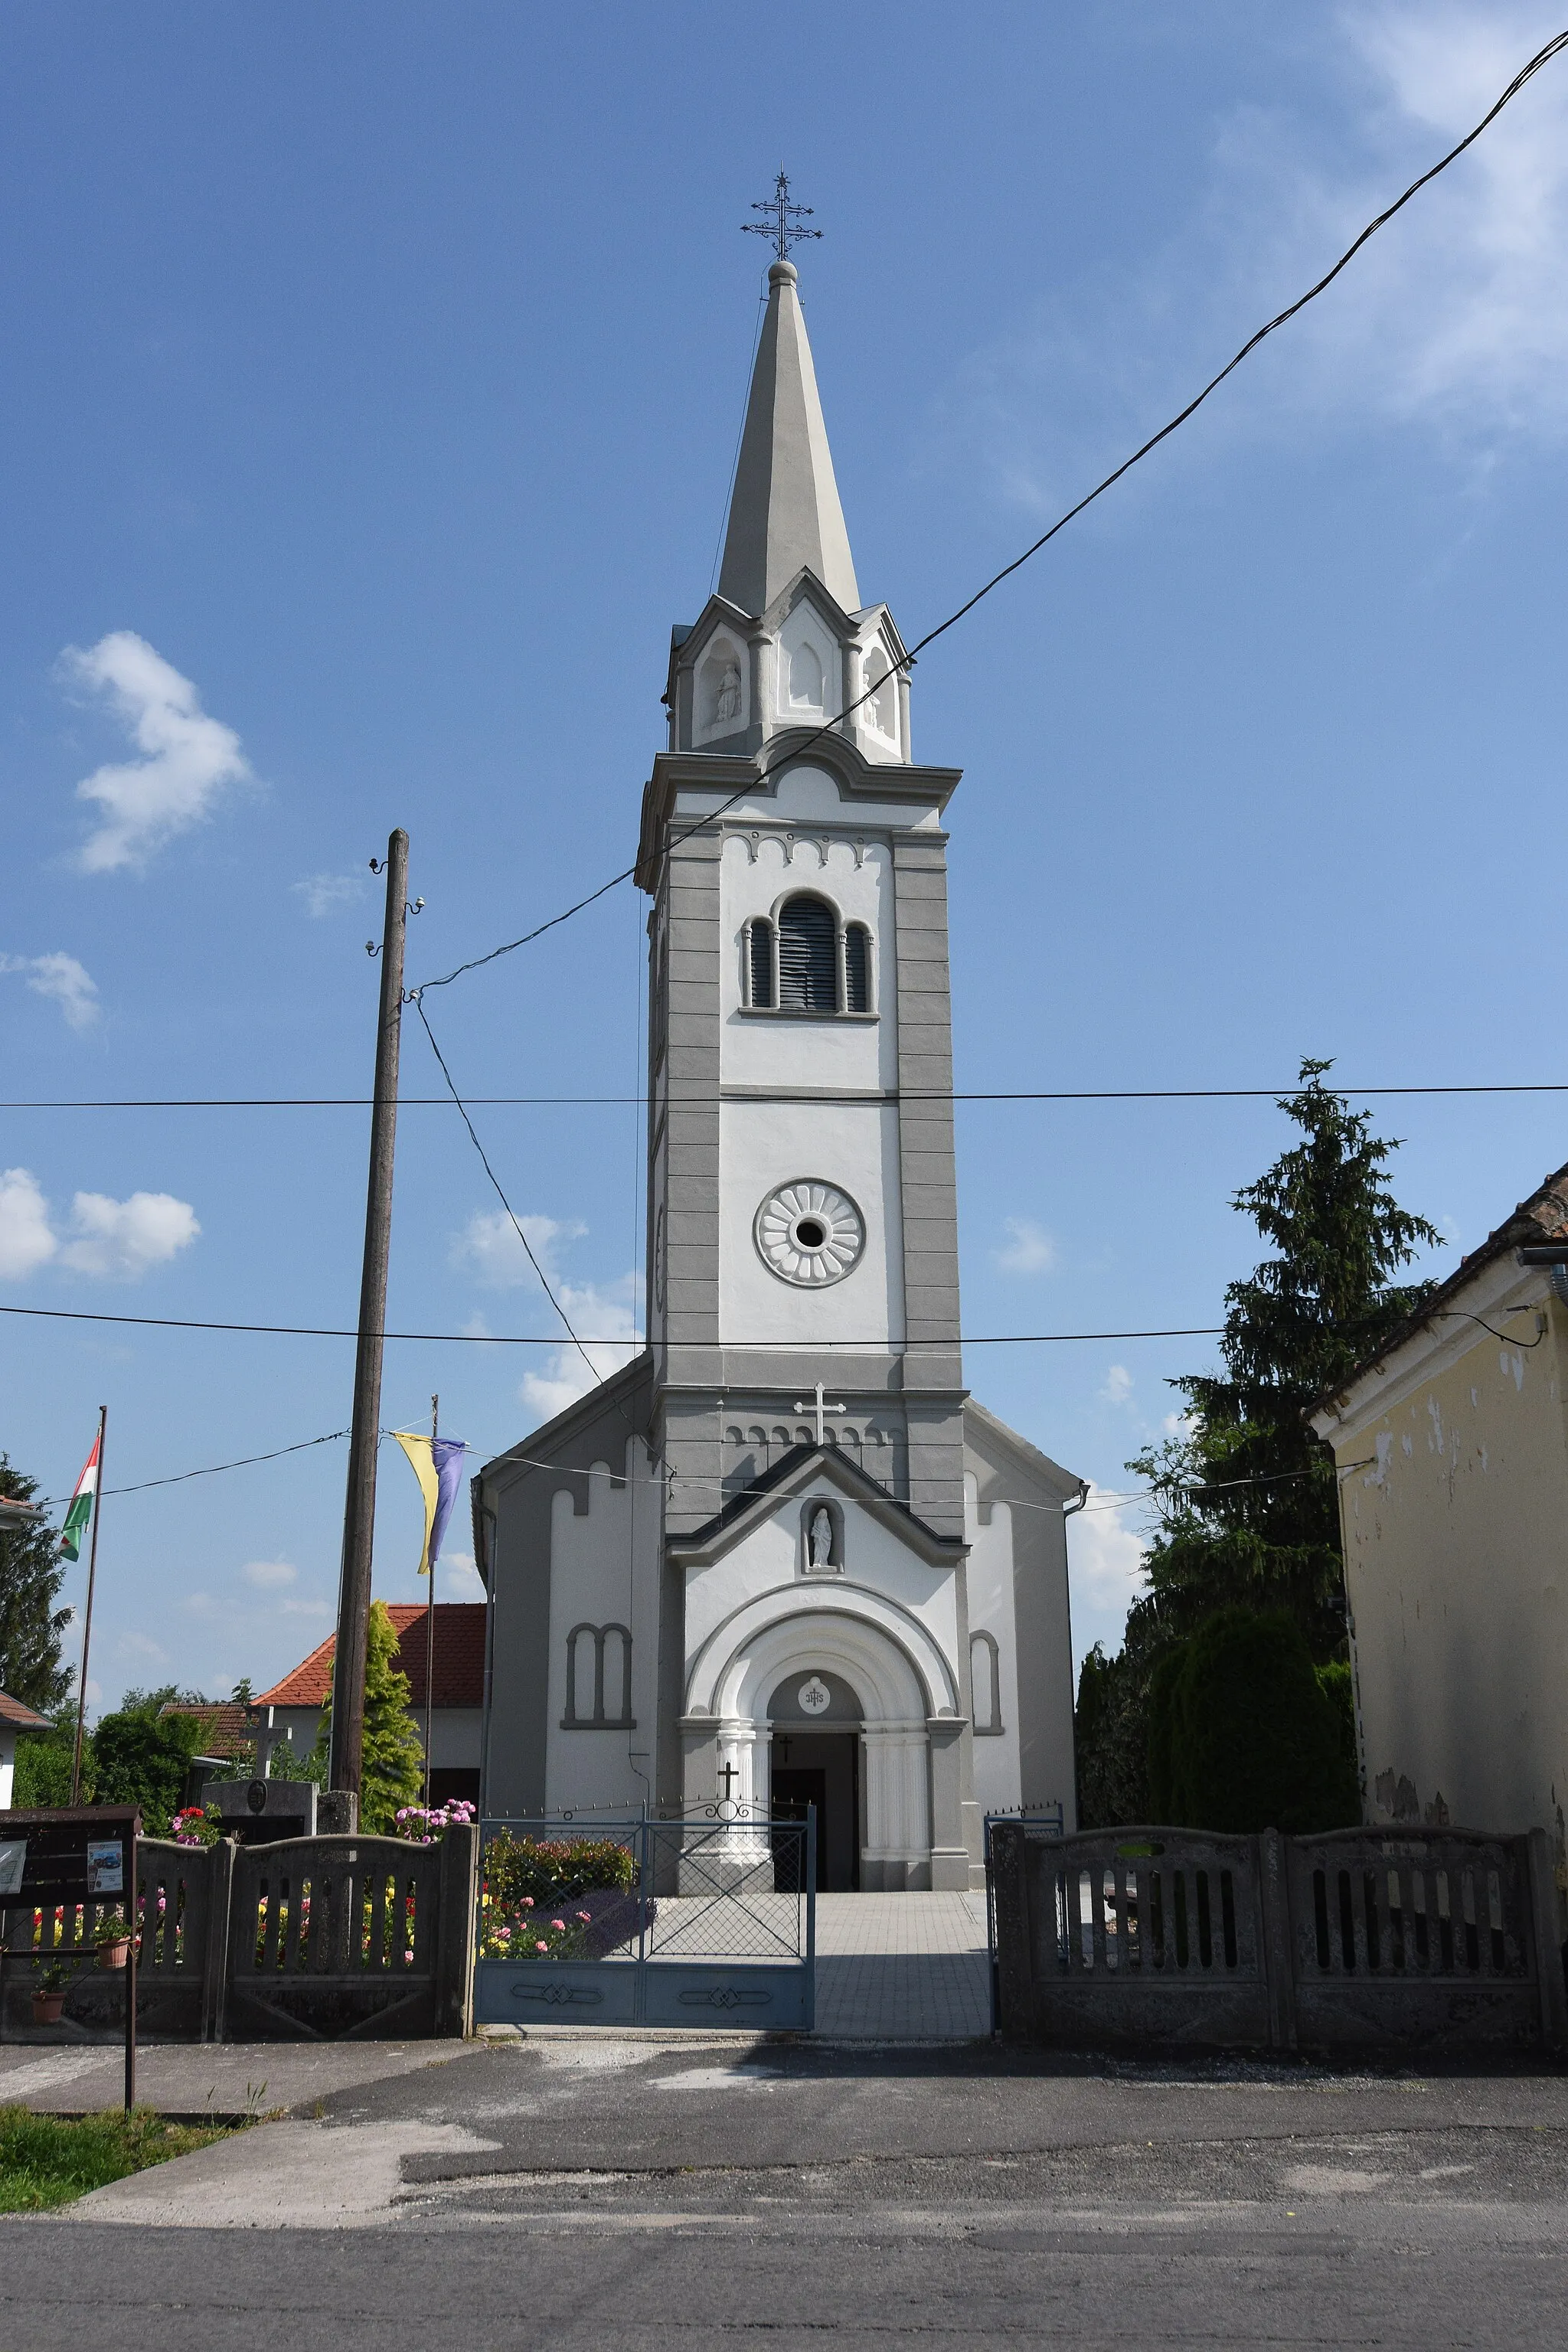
(47, 2160)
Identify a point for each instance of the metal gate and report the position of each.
(695, 1921)
(1052, 1821)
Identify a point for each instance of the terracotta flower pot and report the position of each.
(47, 2008)
(112, 1956)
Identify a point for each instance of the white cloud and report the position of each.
(140, 1645)
(62, 978)
(458, 1578)
(323, 893)
(1029, 1248)
(600, 1312)
(488, 1246)
(267, 1575)
(1105, 1555)
(189, 756)
(26, 1238)
(1117, 1385)
(1454, 317)
(122, 1239)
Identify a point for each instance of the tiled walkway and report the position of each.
(902, 1967)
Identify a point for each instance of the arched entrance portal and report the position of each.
(890, 1689)
(814, 1759)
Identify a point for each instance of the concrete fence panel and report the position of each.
(1144, 1938)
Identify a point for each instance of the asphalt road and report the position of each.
(580, 2192)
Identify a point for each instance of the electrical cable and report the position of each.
(1541, 57)
(501, 1196)
(553, 1340)
(211, 1471)
(710, 1094)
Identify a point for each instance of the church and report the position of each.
(783, 1556)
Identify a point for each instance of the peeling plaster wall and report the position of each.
(1455, 1537)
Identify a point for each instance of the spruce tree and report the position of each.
(1245, 1497)
(393, 1770)
(31, 1574)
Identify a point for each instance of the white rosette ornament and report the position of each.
(809, 1232)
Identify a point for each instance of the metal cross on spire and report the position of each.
(782, 226)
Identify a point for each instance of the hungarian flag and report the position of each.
(81, 1504)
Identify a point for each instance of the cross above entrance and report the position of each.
(803, 1404)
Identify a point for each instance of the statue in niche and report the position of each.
(820, 1536)
(727, 701)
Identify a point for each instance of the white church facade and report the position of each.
(783, 1556)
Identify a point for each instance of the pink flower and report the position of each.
(527, 1902)
(541, 1948)
(587, 1917)
(559, 1926)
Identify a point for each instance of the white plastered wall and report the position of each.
(1455, 1511)
(989, 1585)
(603, 1570)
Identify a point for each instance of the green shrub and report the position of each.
(143, 1760)
(44, 1768)
(1242, 1734)
(552, 1870)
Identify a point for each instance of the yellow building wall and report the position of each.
(1455, 1534)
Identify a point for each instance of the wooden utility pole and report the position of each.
(359, 1510)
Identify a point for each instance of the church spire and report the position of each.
(785, 511)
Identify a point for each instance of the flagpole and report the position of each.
(430, 1618)
(86, 1620)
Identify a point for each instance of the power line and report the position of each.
(620, 1340)
(1541, 57)
(212, 1469)
(710, 1094)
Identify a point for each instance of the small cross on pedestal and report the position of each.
(270, 1735)
(803, 1404)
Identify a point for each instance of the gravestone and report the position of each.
(260, 1812)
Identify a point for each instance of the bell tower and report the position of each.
(801, 1202)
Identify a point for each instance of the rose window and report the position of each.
(810, 1232)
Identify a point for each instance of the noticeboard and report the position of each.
(84, 1853)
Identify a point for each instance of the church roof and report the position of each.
(784, 512)
(459, 1679)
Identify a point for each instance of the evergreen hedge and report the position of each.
(1243, 1735)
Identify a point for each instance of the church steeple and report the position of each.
(785, 513)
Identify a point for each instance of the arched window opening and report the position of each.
(598, 1657)
(986, 1677)
(761, 991)
(857, 969)
(808, 957)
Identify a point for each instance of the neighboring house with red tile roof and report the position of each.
(15, 1718)
(228, 1728)
(295, 1703)
(1451, 1446)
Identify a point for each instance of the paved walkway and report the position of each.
(902, 1967)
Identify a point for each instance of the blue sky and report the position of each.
(373, 379)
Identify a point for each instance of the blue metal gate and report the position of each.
(695, 1922)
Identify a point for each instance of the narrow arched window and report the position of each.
(761, 993)
(985, 1677)
(857, 969)
(808, 957)
(598, 1674)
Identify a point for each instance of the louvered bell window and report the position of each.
(857, 969)
(760, 947)
(808, 957)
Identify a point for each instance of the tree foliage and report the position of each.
(393, 1772)
(143, 1757)
(1245, 1499)
(31, 1574)
(1243, 1736)
(1244, 1495)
